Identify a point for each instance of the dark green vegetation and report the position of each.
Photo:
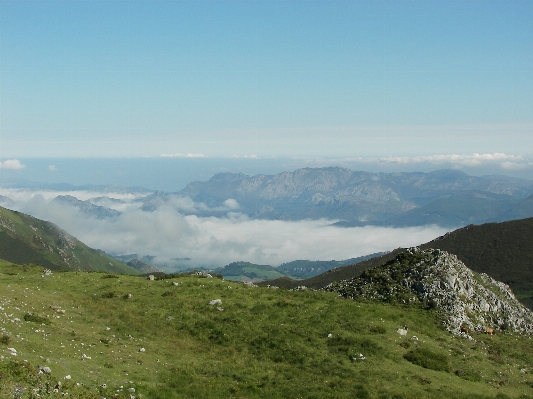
(166, 341)
(246, 271)
(336, 274)
(503, 250)
(302, 269)
(298, 269)
(25, 239)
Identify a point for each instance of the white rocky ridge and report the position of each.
(466, 301)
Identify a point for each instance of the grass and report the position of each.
(265, 343)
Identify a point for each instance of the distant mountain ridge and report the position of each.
(446, 197)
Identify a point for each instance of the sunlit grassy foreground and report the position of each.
(167, 341)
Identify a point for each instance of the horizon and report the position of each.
(172, 174)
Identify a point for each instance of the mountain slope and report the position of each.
(86, 207)
(503, 250)
(25, 239)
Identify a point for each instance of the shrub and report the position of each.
(36, 319)
(469, 375)
(378, 330)
(109, 294)
(4, 339)
(110, 276)
(167, 293)
(429, 360)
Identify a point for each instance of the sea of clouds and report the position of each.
(169, 233)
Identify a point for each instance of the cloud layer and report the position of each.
(210, 241)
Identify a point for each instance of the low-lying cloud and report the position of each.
(460, 159)
(210, 241)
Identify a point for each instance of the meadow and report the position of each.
(121, 336)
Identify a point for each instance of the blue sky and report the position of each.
(268, 78)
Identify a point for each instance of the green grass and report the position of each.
(265, 343)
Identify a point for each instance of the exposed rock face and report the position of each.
(434, 277)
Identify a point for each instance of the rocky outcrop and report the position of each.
(465, 300)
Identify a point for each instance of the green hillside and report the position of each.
(167, 341)
(502, 250)
(25, 239)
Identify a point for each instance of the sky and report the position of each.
(385, 80)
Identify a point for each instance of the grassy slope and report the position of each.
(25, 239)
(266, 343)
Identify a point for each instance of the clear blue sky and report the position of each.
(265, 78)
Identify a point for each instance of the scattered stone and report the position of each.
(330, 335)
(174, 283)
(45, 370)
(142, 350)
(215, 302)
(401, 331)
(202, 274)
(151, 277)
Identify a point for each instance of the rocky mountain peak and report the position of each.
(465, 300)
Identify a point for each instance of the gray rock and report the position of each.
(465, 300)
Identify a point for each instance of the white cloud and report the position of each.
(244, 157)
(52, 168)
(188, 155)
(12, 164)
(474, 159)
(231, 204)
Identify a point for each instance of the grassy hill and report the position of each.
(167, 341)
(25, 239)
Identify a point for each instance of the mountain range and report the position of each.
(445, 197)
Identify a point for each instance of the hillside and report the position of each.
(246, 271)
(504, 251)
(166, 340)
(25, 239)
(501, 250)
